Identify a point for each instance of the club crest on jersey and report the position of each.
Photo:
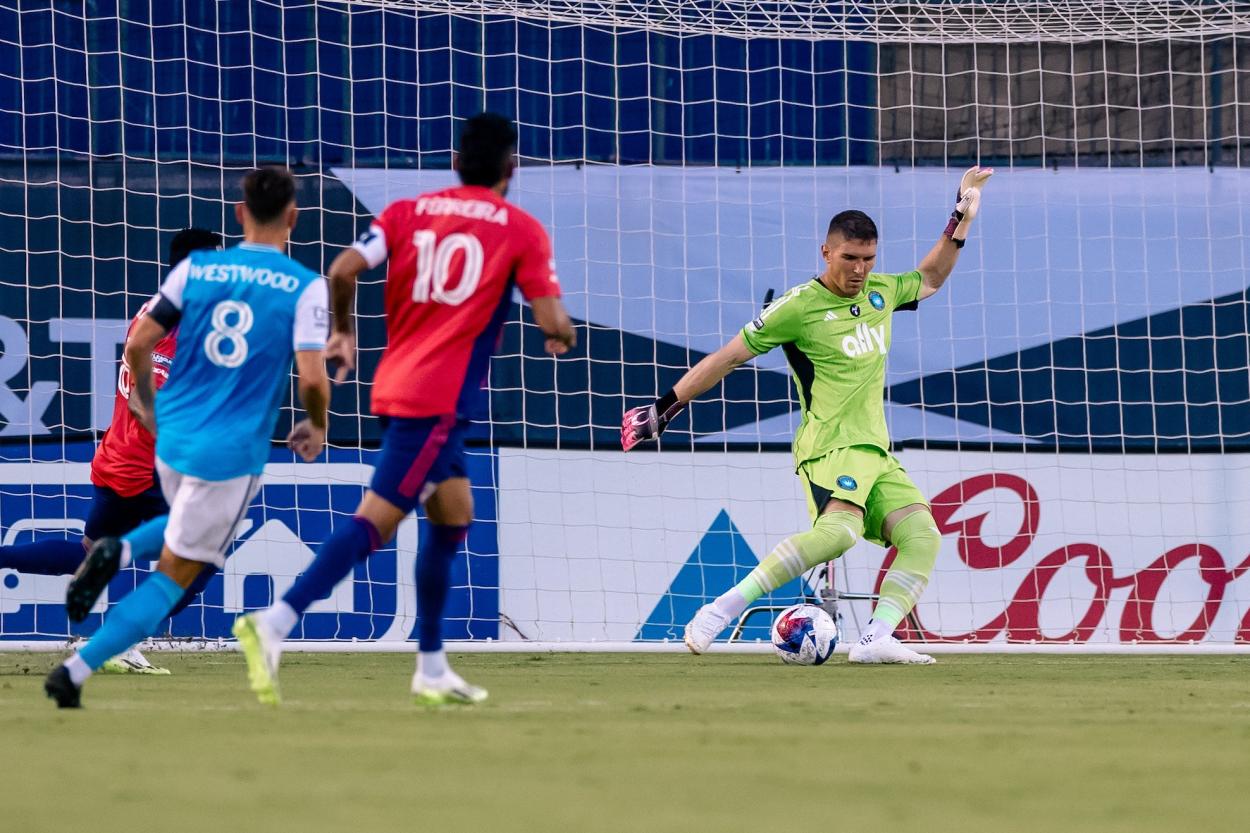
(865, 340)
(847, 483)
(855, 310)
(876, 300)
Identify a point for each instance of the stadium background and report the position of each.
(1092, 343)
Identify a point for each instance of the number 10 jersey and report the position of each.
(454, 256)
(242, 314)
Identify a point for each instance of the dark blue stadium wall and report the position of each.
(231, 83)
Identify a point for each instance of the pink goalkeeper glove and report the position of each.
(649, 421)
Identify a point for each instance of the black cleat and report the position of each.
(94, 574)
(61, 688)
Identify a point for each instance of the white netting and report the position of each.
(945, 21)
(1079, 386)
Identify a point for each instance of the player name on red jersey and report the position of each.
(469, 209)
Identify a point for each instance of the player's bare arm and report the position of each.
(139, 357)
(553, 320)
(341, 346)
(649, 421)
(308, 436)
(938, 264)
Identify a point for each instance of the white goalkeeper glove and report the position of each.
(967, 202)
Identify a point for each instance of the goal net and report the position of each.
(1074, 402)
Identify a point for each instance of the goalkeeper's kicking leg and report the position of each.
(835, 531)
(912, 531)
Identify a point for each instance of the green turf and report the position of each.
(637, 742)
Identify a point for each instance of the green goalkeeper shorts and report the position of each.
(865, 476)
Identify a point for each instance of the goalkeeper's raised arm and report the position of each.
(938, 264)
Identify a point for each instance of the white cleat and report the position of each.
(131, 662)
(703, 629)
(887, 649)
(446, 689)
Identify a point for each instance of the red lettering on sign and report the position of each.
(1020, 620)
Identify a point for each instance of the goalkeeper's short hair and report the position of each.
(853, 225)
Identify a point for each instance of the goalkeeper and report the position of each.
(835, 330)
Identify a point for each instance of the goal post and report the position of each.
(1074, 402)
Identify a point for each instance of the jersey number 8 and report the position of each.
(434, 266)
(225, 332)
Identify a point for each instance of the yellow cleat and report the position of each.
(262, 651)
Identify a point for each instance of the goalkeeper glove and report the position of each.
(649, 421)
(967, 201)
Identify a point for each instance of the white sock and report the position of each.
(431, 664)
(125, 559)
(876, 629)
(281, 618)
(731, 603)
(79, 670)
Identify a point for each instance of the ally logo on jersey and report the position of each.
(865, 340)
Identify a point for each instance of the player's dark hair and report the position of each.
(189, 240)
(268, 191)
(853, 225)
(486, 144)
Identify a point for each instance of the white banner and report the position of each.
(1035, 547)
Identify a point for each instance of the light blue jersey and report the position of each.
(245, 311)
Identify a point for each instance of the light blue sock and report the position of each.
(147, 539)
(135, 618)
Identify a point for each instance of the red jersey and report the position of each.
(454, 256)
(125, 458)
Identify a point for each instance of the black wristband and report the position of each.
(665, 402)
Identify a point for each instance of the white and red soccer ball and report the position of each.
(804, 635)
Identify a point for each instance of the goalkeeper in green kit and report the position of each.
(835, 330)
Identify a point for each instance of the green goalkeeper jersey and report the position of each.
(836, 348)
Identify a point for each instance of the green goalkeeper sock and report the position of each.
(832, 534)
(917, 540)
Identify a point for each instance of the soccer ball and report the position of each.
(804, 635)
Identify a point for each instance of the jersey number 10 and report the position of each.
(434, 265)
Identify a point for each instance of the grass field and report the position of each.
(617, 742)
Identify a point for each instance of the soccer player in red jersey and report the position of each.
(454, 257)
(123, 474)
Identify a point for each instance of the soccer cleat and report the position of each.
(887, 649)
(448, 689)
(704, 628)
(93, 575)
(263, 651)
(131, 662)
(61, 688)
